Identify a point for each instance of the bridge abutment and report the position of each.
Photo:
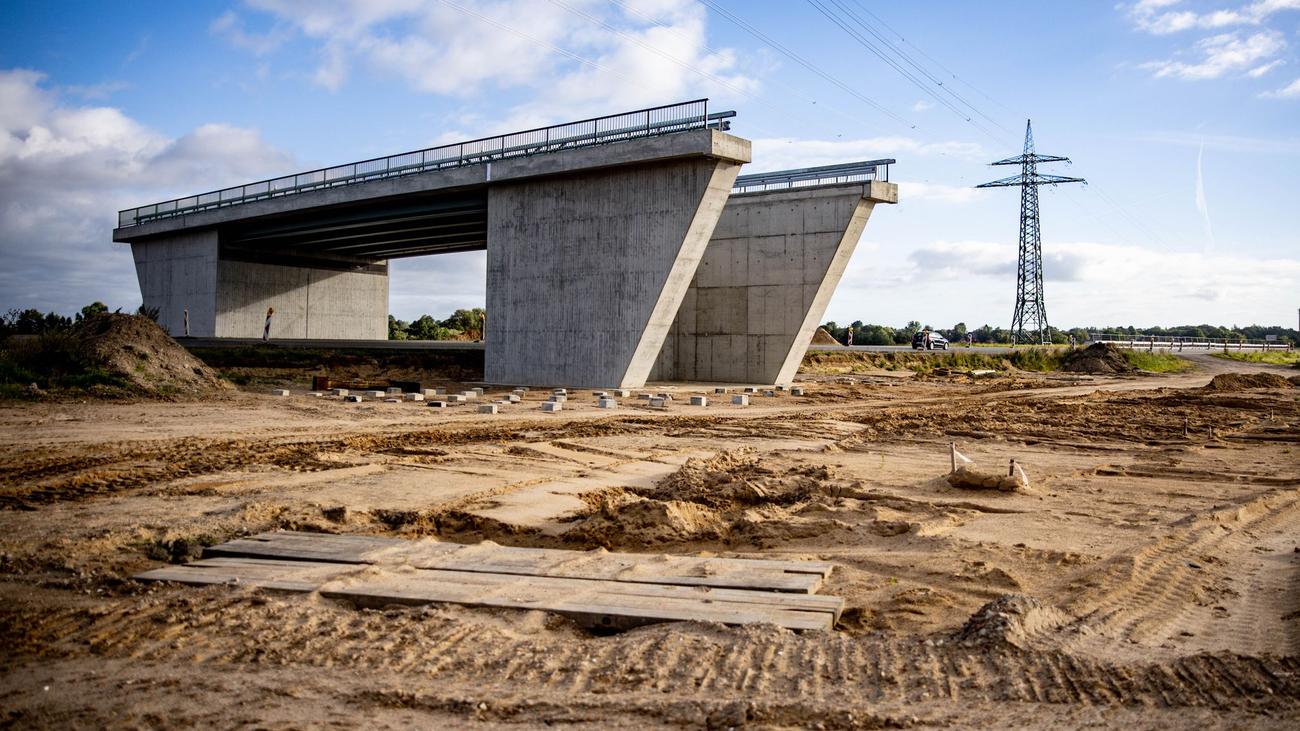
(763, 284)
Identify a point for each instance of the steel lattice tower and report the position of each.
(1030, 316)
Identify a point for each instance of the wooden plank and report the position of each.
(595, 603)
(791, 576)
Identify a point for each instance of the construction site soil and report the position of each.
(1146, 575)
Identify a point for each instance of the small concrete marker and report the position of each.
(353, 399)
(796, 391)
(280, 392)
(339, 391)
(658, 403)
(552, 406)
(456, 398)
(780, 387)
(414, 397)
(558, 398)
(487, 408)
(699, 401)
(664, 396)
(393, 391)
(430, 392)
(643, 396)
(376, 394)
(600, 394)
(437, 404)
(751, 389)
(607, 403)
(469, 395)
(513, 398)
(740, 399)
(721, 389)
(622, 393)
(477, 390)
(561, 391)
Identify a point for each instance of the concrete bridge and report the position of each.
(594, 233)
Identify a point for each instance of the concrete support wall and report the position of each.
(308, 302)
(179, 273)
(586, 272)
(763, 285)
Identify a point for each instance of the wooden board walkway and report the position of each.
(595, 588)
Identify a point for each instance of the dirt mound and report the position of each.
(968, 479)
(729, 494)
(142, 354)
(821, 337)
(1011, 618)
(1243, 381)
(1102, 358)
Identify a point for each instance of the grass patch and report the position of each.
(1156, 361)
(832, 362)
(52, 362)
(1272, 357)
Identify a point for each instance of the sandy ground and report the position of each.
(1147, 578)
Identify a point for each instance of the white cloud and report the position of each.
(1087, 284)
(1290, 91)
(580, 56)
(1222, 54)
(65, 171)
(1263, 69)
(922, 105)
(1161, 18)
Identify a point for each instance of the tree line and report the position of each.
(867, 334)
(462, 325)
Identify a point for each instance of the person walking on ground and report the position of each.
(926, 340)
(848, 340)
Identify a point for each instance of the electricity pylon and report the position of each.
(1030, 316)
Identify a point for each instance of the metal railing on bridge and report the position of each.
(1178, 343)
(649, 122)
(848, 172)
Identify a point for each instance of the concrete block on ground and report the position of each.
(658, 403)
(513, 398)
(316, 394)
(477, 390)
(796, 391)
(664, 396)
(552, 406)
(353, 399)
(456, 398)
(751, 389)
(607, 403)
(699, 401)
(721, 389)
(376, 394)
(437, 404)
(281, 392)
(600, 394)
(414, 397)
(740, 399)
(643, 396)
(622, 393)
(393, 391)
(780, 387)
(558, 398)
(560, 391)
(339, 391)
(487, 408)
(469, 395)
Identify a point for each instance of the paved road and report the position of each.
(990, 350)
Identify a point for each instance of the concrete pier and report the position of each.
(586, 273)
(763, 284)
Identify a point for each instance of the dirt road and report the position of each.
(1148, 576)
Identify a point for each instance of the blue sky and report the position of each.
(1184, 116)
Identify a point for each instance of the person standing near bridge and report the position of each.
(848, 339)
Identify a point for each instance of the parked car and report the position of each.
(937, 341)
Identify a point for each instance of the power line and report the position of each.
(861, 40)
(739, 22)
